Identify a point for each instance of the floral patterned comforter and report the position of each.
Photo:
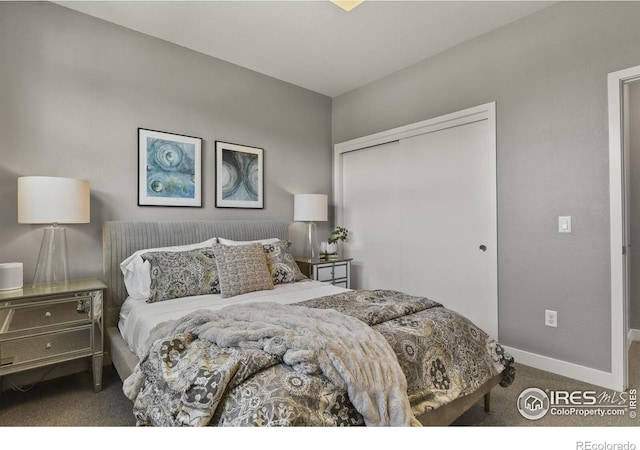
(192, 381)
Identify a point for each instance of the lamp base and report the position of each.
(311, 243)
(53, 264)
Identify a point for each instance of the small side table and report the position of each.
(43, 326)
(335, 271)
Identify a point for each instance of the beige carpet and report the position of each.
(70, 401)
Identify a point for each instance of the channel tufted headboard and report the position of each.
(121, 238)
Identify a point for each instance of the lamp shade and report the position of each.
(50, 200)
(310, 207)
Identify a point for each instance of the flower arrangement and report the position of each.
(329, 248)
(340, 234)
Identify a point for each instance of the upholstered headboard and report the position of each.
(121, 238)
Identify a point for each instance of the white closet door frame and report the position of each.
(486, 112)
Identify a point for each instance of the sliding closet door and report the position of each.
(423, 218)
(449, 235)
(372, 214)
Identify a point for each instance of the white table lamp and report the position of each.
(310, 208)
(52, 200)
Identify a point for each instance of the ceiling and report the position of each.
(314, 44)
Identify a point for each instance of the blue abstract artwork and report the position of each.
(171, 169)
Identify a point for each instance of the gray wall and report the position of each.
(75, 89)
(634, 158)
(548, 76)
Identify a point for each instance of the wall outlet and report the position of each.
(551, 318)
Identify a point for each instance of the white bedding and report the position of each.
(138, 318)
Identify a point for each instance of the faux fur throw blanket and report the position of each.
(344, 349)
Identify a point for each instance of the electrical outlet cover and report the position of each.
(551, 318)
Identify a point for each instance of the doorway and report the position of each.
(632, 136)
(620, 210)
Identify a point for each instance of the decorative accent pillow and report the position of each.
(182, 274)
(136, 271)
(242, 269)
(281, 264)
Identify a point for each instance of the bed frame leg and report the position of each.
(487, 402)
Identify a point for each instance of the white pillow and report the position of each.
(136, 271)
(261, 241)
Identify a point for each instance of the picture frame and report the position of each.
(169, 169)
(239, 176)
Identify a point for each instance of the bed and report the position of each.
(180, 369)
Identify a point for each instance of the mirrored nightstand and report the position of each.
(44, 326)
(334, 271)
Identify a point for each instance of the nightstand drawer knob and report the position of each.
(48, 346)
(47, 314)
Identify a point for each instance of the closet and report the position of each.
(420, 203)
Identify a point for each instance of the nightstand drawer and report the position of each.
(325, 273)
(332, 272)
(340, 271)
(64, 311)
(27, 349)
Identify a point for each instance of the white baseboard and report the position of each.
(564, 368)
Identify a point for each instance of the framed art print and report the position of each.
(239, 176)
(169, 169)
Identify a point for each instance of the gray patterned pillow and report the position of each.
(242, 269)
(182, 274)
(281, 264)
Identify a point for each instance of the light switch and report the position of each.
(564, 224)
